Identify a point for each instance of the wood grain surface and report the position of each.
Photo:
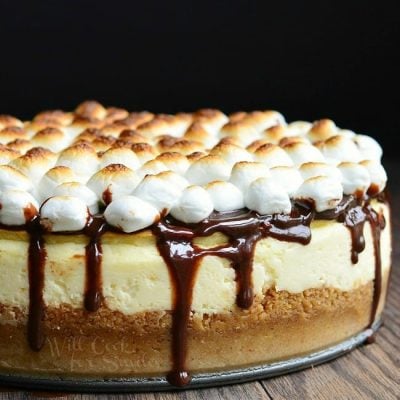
(369, 372)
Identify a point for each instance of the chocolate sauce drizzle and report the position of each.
(93, 297)
(353, 213)
(36, 264)
(377, 223)
(176, 244)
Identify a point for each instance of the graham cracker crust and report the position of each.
(106, 343)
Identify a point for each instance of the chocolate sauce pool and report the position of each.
(176, 244)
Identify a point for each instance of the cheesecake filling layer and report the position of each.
(141, 283)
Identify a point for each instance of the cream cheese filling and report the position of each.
(136, 279)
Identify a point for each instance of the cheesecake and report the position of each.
(135, 244)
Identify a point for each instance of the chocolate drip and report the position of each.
(243, 232)
(107, 196)
(96, 226)
(354, 220)
(351, 213)
(175, 242)
(94, 254)
(377, 223)
(36, 264)
(178, 252)
(354, 214)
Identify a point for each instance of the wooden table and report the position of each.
(369, 372)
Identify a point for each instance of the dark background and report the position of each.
(307, 59)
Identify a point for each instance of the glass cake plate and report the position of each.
(198, 381)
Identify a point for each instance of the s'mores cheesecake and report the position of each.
(135, 244)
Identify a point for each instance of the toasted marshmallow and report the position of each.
(64, 214)
(20, 145)
(52, 178)
(192, 157)
(355, 178)
(17, 207)
(122, 156)
(113, 130)
(266, 197)
(152, 167)
(243, 133)
(322, 130)
(287, 177)
(346, 133)
(312, 169)
(174, 162)
(272, 156)
(81, 191)
(115, 114)
(79, 125)
(207, 169)
(262, 120)
(123, 143)
(144, 152)
(51, 138)
(253, 146)
(274, 134)
(57, 117)
(323, 192)
(103, 143)
(35, 163)
(88, 135)
(225, 196)
(7, 155)
(132, 136)
(339, 149)
(368, 147)
(178, 124)
(12, 133)
(91, 110)
(12, 178)
(301, 153)
(231, 153)
(197, 133)
(174, 179)
(133, 120)
(194, 205)
(377, 174)
(159, 190)
(237, 116)
(131, 214)
(245, 172)
(231, 141)
(298, 128)
(32, 127)
(156, 127)
(112, 182)
(211, 120)
(9, 120)
(290, 140)
(183, 146)
(81, 158)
